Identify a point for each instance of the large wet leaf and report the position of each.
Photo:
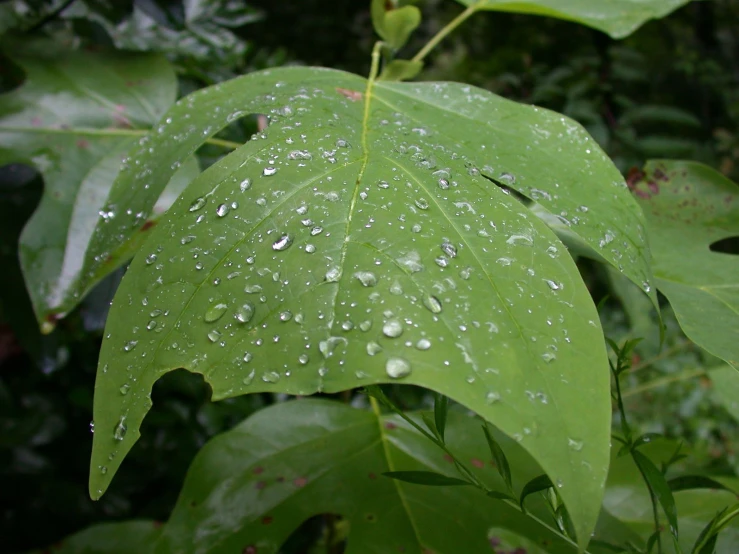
(690, 207)
(249, 488)
(618, 18)
(74, 119)
(362, 240)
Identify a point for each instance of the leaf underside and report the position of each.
(618, 18)
(364, 238)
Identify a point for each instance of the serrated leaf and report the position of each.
(689, 206)
(74, 120)
(357, 242)
(428, 478)
(253, 485)
(618, 18)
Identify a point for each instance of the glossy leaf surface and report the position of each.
(618, 18)
(74, 119)
(252, 486)
(689, 207)
(358, 241)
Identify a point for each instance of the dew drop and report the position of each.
(432, 303)
(392, 328)
(253, 289)
(423, 344)
(214, 336)
(449, 249)
(130, 345)
(282, 243)
(124, 389)
(197, 204)
(367, 278)
(245, 185)
(269, 171)
(397, 368)
(303, 359)
(575, 445)
(373, 348)
(120, 430)
(245, 313)
(270, 377)
(215, 312)
(286, 315)
(222, 210)
(333, 275)
(249, 378)
(422, 204)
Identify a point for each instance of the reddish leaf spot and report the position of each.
(642, 193)
(82, 143)
(373, 476)
(148, 225)
(352, 95)
(120, 108)
(280, 479)
(266, 520)
(260, 485)
(157, 524)
(36, 121)
(653, 187)
(258, 470)
(634, 176)
(251, 549)
(477, 463)
(494, 541)
(519, 550)
(300, 482)
(390, 426)
(448, 458)
(121, 120)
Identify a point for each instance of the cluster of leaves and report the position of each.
(295, 264)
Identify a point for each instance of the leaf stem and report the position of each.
(663, 381)
(375, 67)
(106, 133)
(448, 28)
(662, 355)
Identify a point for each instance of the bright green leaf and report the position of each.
(361, 240)
(399, 24)
(400, 70)
(74, 119)
(618, 18)
(689, 207)
(253, 485)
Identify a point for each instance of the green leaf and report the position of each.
(253, 485)
(428, 478)
(441, 411)
(501, 462)
(618, 18)
(399, 24)
(659, 487)
(110, 538)
(706, 541)
(74, 119)
(357, 241)
(688, 482)
(726, 388)
(537, 484)
(400, 70)
(689, 207)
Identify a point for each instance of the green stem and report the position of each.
(662, 355)
(664, 381)
(106, 133)
(375, 68)
(441, 35)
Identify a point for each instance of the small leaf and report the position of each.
(441, 409)
(537, 484)
(706, 541)
(430, 423)
(426, 478)
(399, 24)
(400, 70)
(659, 487)
(500, 495)
(688, 482)
(646, 438)
(501, 462)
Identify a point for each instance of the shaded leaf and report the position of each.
(659, 487)
(726, 388)
(110, 538)
(74, 119)
(368, 246)
(688, 482)
(501, 462)
(400, 70)
(253, 485)
(441, 410)
(618, 18)
(706, 541)
(428, 478)
(537, 484)
(690, 206)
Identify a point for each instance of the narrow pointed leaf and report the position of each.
(688, 482)
(441, 410)
(659, 487)
(252, 486)
(618, 18)
(537, 484)
(690, 207)
(358, 241)
(428, 478)
(74, 119)
(501, 462)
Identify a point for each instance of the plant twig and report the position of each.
(448, 28)
(663, 381)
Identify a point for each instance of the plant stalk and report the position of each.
(448, 28)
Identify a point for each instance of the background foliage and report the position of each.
(670, 90)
